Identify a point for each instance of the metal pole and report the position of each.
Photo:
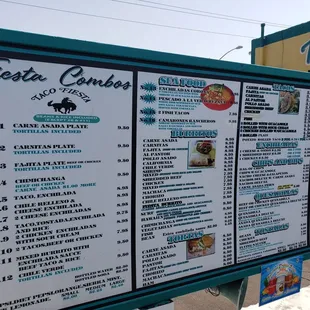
(236, 48)
(262, 42)
(227, 53)
(262, 33)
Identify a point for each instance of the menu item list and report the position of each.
(186, 147)
(65, 193)
(273, 171)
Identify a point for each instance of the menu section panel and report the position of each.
(273, 174)
(186, 148)
(65, 188)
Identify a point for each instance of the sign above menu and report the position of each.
(117, 178)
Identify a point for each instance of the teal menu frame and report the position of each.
(54, 47)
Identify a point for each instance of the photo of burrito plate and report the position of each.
(289, 102)
(202, 154)
(201, 246)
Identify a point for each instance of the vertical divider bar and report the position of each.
(308, 209)
(133, 178)
(236, 172)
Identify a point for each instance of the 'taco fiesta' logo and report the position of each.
(65, 106)
(60, 103)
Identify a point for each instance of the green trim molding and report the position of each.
(43, 43)
(279, 36)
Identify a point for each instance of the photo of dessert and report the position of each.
(201, 154)
(201, 246)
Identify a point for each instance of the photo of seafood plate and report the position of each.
(289, 102)
(217, 97)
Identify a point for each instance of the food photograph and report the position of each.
(202, 154)
(289, 102)
(201, 246)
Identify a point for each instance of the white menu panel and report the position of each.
(273, 171)
(186, 145)
(65, 189)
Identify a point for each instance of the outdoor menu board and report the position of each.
(117, 178)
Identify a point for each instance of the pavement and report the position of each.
(205, 301)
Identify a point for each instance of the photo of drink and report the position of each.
(280, 285)
(280, 279)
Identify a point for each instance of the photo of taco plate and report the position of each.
(201, 246)
(289, 102)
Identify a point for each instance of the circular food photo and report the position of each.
(217, 97)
